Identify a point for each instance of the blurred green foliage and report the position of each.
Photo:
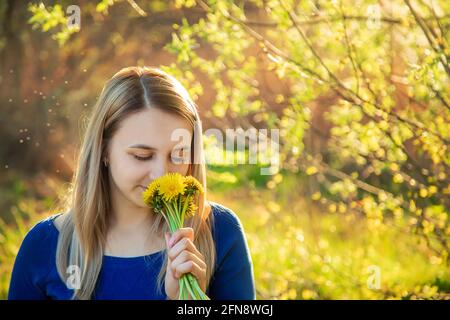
(361, 100)
(360, 93)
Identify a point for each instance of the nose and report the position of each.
(158, 169)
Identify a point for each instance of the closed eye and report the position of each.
(143, 158)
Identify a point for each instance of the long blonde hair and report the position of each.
(83, 232)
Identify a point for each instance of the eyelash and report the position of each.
(148, 158)
(143, 158)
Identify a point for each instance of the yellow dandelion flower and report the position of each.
(193, 184)
(149, 193)
(191, 209)
(171, 185)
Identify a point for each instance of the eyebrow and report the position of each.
(143, 146)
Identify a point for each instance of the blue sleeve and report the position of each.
(233, 276)
(31, 266)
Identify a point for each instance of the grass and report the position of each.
(301, 255)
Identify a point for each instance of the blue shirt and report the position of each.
(35, 275)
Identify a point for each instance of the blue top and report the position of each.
(35, 276)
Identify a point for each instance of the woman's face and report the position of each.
(142, 149)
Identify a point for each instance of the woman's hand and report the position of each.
(183, 257)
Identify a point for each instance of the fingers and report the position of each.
(183, 245)
(186, 256)
(180, 246)
(189, 267)
(181, 233)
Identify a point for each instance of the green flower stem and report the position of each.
(184, 208)
(177, 214)
(192, 289)
(195, 285)
(188, 285)
(169, 222)
(179, 205)
(171, 217)
(172, 228)
(191, 284)
(185, 294)
(182, 290)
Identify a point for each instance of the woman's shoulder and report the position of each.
(34, 261)
(233, 270)
(44, 226)
(40, 236)
(225, 219)
(38, 244)
(222, 212)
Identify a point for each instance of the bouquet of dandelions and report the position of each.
(172, 195)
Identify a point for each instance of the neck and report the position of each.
(130, 220)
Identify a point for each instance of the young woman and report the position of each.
(109, 244)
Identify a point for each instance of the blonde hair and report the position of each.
(83, 232)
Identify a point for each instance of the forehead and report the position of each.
(152, 127)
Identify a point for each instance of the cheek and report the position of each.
(127, 173)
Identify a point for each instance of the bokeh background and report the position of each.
(359, 90)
